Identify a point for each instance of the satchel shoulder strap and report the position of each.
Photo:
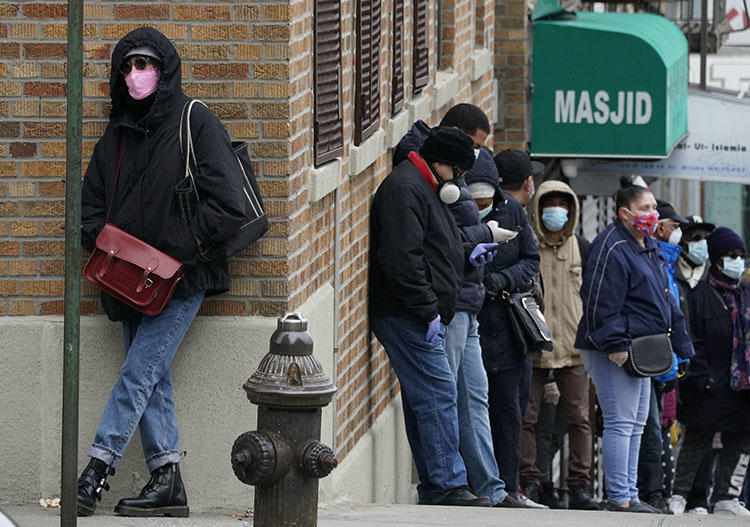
(186, 147)
(117, 174)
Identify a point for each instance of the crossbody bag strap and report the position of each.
(117, 173)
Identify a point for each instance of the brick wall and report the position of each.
(252, 63)
(512, 52)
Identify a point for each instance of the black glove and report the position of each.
(495, 283)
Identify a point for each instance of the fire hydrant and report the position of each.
(284, 458)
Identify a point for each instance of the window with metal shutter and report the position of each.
(397, 82)
(367, 100)
(329, 134)
(421, 65)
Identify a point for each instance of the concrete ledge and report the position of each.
(324, 179)
(396, 128)
(446, 88)
(480, 63)
(420, 108)
(364, 155)
(215, 359)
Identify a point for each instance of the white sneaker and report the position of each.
(677, 504)
(698, 510)
(733, 507)
(528, 502)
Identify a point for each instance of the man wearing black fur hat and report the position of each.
(130, 183)
(416, 267)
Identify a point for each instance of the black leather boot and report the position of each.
(163, 495)
(91, 483)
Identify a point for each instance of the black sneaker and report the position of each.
(463, 497)
(635, 506)
(531, 490)
(659, 501)
(579, 498)
(548, 496)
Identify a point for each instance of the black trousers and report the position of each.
(508, 390)
(650, 471)
(731, 465)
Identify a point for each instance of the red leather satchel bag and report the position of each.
(132, 271)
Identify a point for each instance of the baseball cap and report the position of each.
(696, 222)
(145, 51)
(515, 165)
(666, 212)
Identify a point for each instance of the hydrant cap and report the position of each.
(292, 322)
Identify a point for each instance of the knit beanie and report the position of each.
(449, 145)
(721, 241)
(485, 172)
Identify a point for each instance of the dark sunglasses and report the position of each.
(139, 63)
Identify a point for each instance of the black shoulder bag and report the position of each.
(649, 355)
(528, 324)
(255, 223)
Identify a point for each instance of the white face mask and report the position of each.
(675, 236)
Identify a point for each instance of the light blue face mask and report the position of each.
(733, 267)
(698, 252)
(483, 213)
(554, 218)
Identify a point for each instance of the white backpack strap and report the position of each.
(189, 150)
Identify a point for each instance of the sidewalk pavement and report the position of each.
(375, 515)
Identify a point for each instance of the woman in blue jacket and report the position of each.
(625, 295)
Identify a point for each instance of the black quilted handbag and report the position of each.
(649, 356)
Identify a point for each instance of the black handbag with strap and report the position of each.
(255, 222)
(528, 323)
(649, 356)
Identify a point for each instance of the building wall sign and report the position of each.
(608, 85)
(716, 149)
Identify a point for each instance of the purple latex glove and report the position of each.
(432, 329)
(482, 254)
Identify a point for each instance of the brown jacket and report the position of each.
(562, 275)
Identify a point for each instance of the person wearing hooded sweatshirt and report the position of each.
(130, 183)
(554, 216)
(715, 393)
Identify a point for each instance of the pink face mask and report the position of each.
(142, 83)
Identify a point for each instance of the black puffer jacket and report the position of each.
(416, 255)
(152, 163)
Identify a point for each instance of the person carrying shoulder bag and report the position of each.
(130, 183)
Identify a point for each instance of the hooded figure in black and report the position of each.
(130, 183)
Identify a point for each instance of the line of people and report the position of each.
(451, 239)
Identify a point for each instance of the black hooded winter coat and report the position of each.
(145, 135)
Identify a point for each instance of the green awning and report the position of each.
(608, 85)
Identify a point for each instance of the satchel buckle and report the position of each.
(148, 283)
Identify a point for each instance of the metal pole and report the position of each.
(704, 41)
(72, 265)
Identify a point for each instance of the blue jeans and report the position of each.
(624, 401)
(475, 437)
(428, 394)
(142, 395)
